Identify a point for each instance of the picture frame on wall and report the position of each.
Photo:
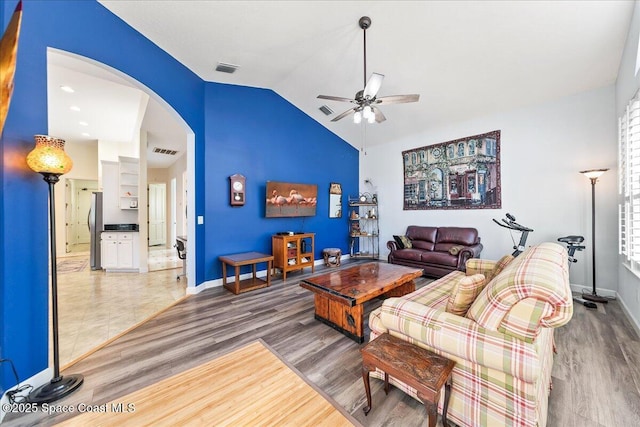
(459, 174)
(286, 199)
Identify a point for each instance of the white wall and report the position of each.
(143, 202)
(176, 171)
(542, 149)
(111, 151)
(626, 86)
(111, 212)
(85, 158)
(164, 175)
(161, 176)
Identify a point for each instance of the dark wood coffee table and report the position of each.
(340, 294)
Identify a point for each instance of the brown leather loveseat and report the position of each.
(437, 250)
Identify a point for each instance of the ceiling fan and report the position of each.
(366, 100)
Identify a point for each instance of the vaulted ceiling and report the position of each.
(464, 58)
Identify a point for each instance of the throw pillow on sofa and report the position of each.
(500, 265)
(464, 293)
(455, 250)
(403, 242)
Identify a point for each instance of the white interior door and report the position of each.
(157, 214)
(83, 205)
(69, 220)
(173, 210)
(184, 204)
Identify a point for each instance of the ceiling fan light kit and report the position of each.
(366, 100)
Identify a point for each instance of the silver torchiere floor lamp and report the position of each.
(49, 159)
(593, 175)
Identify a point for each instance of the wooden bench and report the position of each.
(415, 366)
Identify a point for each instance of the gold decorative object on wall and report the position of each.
(8, 55)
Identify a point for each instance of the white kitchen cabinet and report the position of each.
(118, 251)
(109, 253)
(128, 170)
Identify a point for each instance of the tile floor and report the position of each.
(95, 306)
(159, 257)
(77, 249)
(162, 258)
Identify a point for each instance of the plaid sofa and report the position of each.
(503, 346)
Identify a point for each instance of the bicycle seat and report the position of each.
(571, 240)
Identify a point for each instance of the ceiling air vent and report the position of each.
(164, 151)
(226, 68)
(326, 110)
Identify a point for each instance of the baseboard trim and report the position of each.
(36, 381)
(609, 293)
(634, 322)
(192, 290)
(261, 273)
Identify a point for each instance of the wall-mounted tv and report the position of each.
(286, 199)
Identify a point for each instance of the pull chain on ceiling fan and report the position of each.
(366, 100)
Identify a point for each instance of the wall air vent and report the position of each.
(226, 68)
(164, 151)
(326, 110)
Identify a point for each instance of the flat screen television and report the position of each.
(286, 199)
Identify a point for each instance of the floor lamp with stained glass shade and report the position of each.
(593, 175)
(49, 159)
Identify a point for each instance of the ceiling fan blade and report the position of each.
(397, 99)
(373, 85)
(379, 116)
(336, 98)
(343, 115)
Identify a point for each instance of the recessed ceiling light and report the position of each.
(67, 89)
(83, 123)
(86, 134)
(74, 108)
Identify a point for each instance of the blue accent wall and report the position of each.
(243, 130)
(3, 295)
(257, 133)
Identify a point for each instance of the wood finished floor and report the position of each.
(596, 375)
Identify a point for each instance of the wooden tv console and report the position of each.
(293, 252)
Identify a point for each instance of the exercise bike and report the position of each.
(573, 245)
(572, 242)
(510, 223)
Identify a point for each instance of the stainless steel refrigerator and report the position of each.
(95, 223)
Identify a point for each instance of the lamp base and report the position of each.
(56, 389)
(595, 298)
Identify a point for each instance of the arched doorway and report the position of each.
(105, 115)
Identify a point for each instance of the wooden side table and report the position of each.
(248, 258)
(415, 366)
